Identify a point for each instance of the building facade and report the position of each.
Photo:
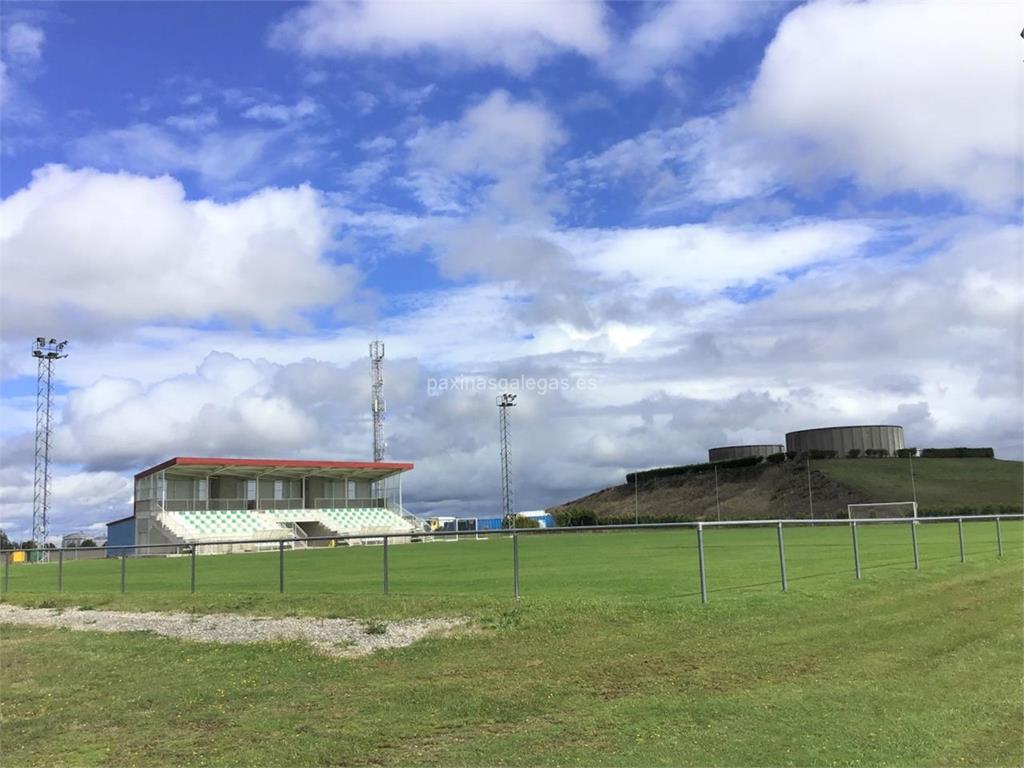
(885, 437)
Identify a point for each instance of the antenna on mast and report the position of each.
(377, 404)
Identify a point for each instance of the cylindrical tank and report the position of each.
(887, 437)
(742, 451)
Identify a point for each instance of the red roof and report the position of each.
(388, 467)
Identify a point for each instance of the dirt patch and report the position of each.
(333, 637)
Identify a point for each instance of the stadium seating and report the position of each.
(213, 525)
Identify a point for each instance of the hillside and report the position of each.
(767, 491)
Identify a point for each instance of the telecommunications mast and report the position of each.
(377, 404)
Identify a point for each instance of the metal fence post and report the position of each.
(782, 561)
(913, 538)
(700, 564)
(60, 570)
(123, 559)
(515, 561)
(856, 549)
(387, 585)
(193, 558)
(960, 534)
(280, 566)
(999, 538)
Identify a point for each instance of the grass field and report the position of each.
(609, 659)
(941, 483)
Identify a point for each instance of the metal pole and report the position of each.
(7, 572)
(960, 533)
(856, 549)
(387, 584)
(913, 537)
(280, 566)
(999, 539)
(515, 561)
(636, 495)
(718, 502)
(60, 570)
(913, 485)
(700, 564)
(810, 495)
(193, 583)
(782, 561)
(123, 559)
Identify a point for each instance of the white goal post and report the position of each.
(882, 509)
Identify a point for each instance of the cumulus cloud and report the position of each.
(119, 250)
(515, 36)
(892, 93)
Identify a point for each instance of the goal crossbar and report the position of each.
(851, 508)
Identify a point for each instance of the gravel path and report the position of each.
(335, 637)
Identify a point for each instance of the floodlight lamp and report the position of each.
(40, 340)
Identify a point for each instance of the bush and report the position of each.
(88, 543)
(775, 458)
(820, 454)
(521, 521)
(574, 516)
(790, 455)
(877, 453)
(958, 453)
(687, 469)
(906, 453)
(990, 509)
(853, 453)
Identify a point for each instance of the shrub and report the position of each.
(958, 453)
(821, 454)
(521, 521)
(573, 516)
(775, 458)
(906, 453)
(877, 453)
(853, 453)
(790, 455)
(686, 469)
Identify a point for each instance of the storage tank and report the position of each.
(742, 451)
(887, 437)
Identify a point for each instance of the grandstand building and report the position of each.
(217, 502)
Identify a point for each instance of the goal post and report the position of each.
(882, 509)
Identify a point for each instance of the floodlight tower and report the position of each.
(377, 404)
(504, 402)
(46, 351)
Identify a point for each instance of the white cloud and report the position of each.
(902, 96)
(703, 259)
(219, 158)
(24, 41)
(122, 250)
(281, 113)
(674, 33)
(498, 140)
(483, 32)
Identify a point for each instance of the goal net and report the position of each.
(882, 509)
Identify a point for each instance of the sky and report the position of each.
(665, 226)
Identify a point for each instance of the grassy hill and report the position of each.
(767, 491)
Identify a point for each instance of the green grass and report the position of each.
(941, 483)
(609, 659)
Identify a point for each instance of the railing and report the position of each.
(385, 539)
(226, 505)
(349, 503)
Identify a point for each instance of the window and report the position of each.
(200, 489)
(278, 490)
(250, 490)
(351, 489)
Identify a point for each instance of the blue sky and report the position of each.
(734, 219)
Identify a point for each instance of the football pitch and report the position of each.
(609, 658)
